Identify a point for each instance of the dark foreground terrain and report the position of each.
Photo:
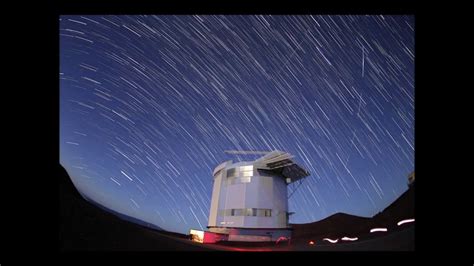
(87, 226)
(84, 226)
(339, 225)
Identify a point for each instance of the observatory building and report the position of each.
(250, 199)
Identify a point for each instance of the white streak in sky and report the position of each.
(115, 181)
(85, 105)
(362, 61)
(72, 20)
(84, 39)
(89, 79)
(196, 218)
(126, 175)
(408, 142)
(79, 133)
(134, 203)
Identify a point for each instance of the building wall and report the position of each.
(265, 196)
(216, 190)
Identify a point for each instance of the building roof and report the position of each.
(274, 162)
(281, 163)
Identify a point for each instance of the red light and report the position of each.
(311, 242)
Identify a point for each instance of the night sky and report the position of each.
(148, 104)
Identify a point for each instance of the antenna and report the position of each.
(247, 152)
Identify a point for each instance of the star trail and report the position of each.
(148, 104)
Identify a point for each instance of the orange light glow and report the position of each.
(311, 242)
(197, 235)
